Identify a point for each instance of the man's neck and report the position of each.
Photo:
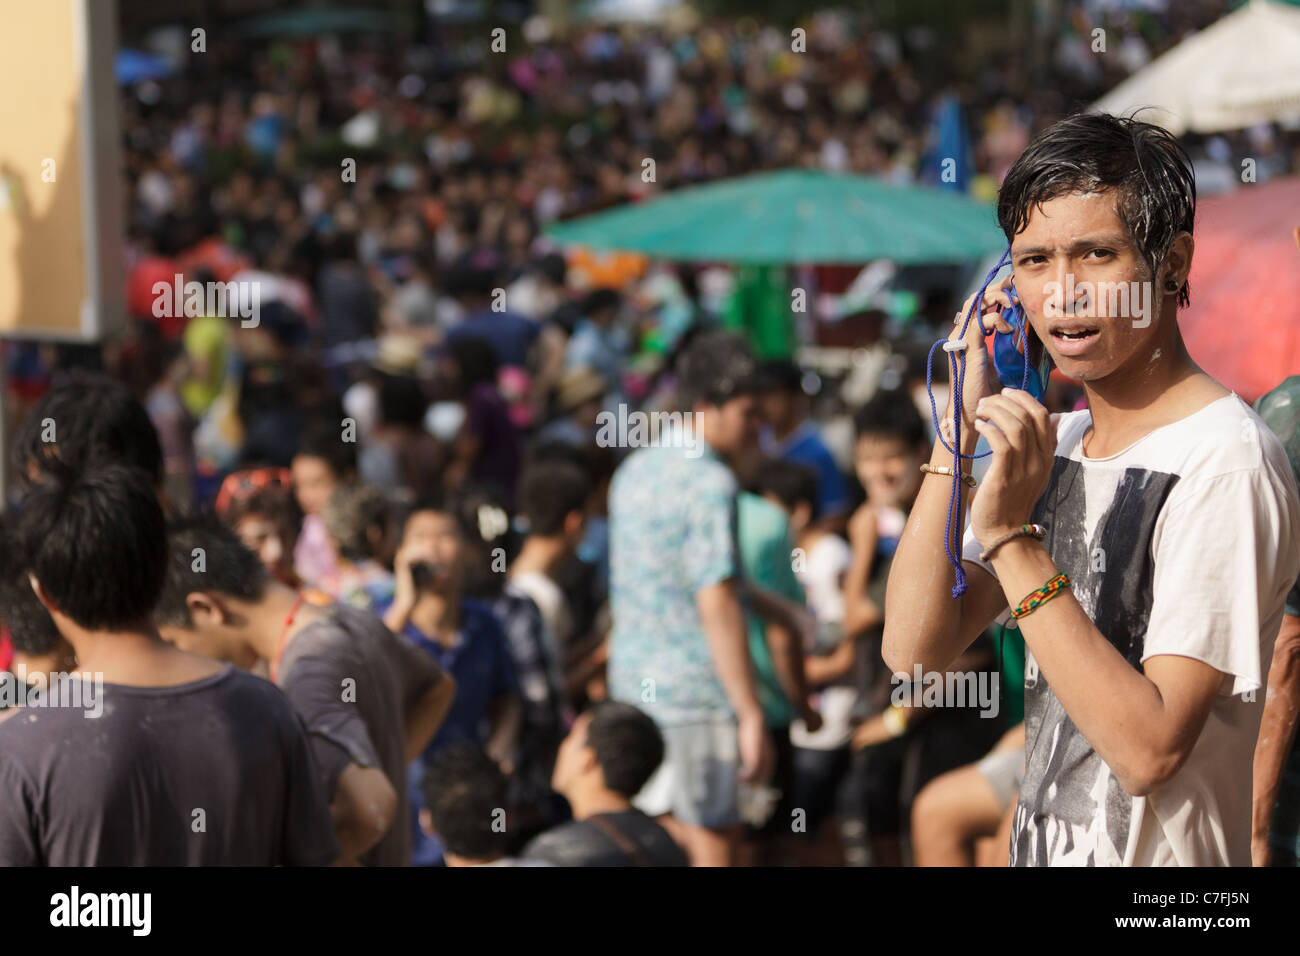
(268, 618)
(1144, 395)
(589, 802)
(137, 657)
(540, 553)
(436, 615)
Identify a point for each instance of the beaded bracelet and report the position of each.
(1036, 531)
(1036, 599)
(930, 469)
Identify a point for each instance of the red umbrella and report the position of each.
(1243, 326)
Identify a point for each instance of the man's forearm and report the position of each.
(363, 808)
(787, 661)
(923, 624)
(1118, 709)
(1277, 727)
(860, 612)
(777, 609)
(395, 618)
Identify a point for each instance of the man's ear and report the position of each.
(205, 609)
(1178, 260)
(41, 594)
(589, 761)
(1297, 237)
(573, 522)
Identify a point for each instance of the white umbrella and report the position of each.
(1242, 70)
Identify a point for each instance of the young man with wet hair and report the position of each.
(186, 762)
(370, 701)
(1144, 543)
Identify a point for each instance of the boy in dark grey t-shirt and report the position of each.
(212, 772)
(162, 757)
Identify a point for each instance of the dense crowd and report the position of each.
(396, 487)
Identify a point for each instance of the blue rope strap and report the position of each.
(957, 373)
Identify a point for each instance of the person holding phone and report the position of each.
(466, 640)
(1136, 541)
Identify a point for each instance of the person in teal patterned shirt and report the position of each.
(678, 646)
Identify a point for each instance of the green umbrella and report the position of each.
(796, 216)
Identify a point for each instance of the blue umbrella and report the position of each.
(132, 66)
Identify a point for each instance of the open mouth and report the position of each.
(1073, 335)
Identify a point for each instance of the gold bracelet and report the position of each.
(930, 469)
(894, 721)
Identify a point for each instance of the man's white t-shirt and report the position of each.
(1184, 543)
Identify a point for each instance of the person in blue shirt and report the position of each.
(466, 640)
(488, 314)
(792, 436)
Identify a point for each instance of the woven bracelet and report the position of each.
(1036, 599)
(1036, 531)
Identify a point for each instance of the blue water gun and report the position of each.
(1014, 352)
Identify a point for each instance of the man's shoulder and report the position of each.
(536, 588)
(332, 637)
(1225, 437)
(238, 692)
(661, 468)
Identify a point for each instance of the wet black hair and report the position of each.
(627, 743)
(30, 626)
(466, 794)
(1146, 166)
(227, 566)
(88, 421)
(97, 543)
